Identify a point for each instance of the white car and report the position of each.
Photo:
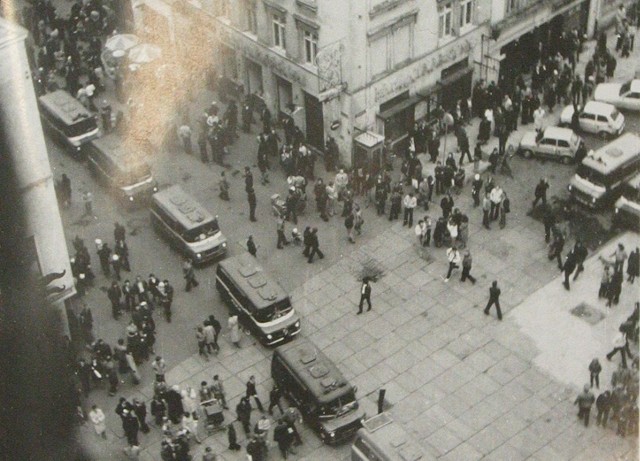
(597, 117)
(553, 143)
(622, 95)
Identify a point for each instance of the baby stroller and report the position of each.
(214, 418)
(278, 205)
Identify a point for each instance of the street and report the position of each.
(453, 375)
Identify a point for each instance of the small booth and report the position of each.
(368, 152)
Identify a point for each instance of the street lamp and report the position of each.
(447, 120)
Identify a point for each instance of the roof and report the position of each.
(610, 157)
(10, 33)
(253, 281)
(369, 139)
(557, 132)
(319, 374)
(599, 107)
(635, 85)
(183, 207)
(392, 439)
(114, 148)
(65, 107)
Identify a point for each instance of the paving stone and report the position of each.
(335, 331)
(443, 441)
(460, 429)
(358, 340)
(444, 358)
(527, 442)
(505, 452)
(368, 358)
(426, 370)
(487, 440)
(389, 345)
(401, 361)
(479, 361)
(546, 453)
(463, 451)
(383, 373)
(338, 352)
(454, 406)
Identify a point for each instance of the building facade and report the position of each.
(44, 247)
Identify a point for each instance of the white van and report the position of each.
(601, 174)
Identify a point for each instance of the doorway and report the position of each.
(314, 120)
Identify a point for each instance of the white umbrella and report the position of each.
(121, 42)
(144, 53)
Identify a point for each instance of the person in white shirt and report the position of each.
(410, 202)
(495, 196)
(453, 255)
(332, 198)
(341, 182)
(538, 116)
(98, 419)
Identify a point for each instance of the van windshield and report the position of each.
(274, 311)
(136, 173)
(592, 176)
(201, 232)
(82, 127)
(339, 406)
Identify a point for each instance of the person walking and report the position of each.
(594, 372)
(486, 210)
(251, 247)
(243, 412)
(223, 185)
(140, 410)
(349, 223)
(549, 220)
(494, 299)
(540, 193)
(619, 345)
(251, 198)
(185, 136)
(365, 294)
(218, 391)
(503, 209)
(282, 437)
(252, 392)
(580, 252)
(97, 417)
(234, 330)
(476, 188)
(568, 268)
(189, 275)
(603, 405)
(410, 202)
(115, 296)
(633, 265)
(584, 401)
(159, 368)
(467, 262)
(314, 245)
(232, 437)
(131, 426)
(274, 399)
(202, 344)
(620, 256)
(209, 336)
(453, 255)
(280, 230)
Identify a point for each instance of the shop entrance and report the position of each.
(314, 121)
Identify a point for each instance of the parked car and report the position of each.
(622, 95)
(553, 143)
(596, 117)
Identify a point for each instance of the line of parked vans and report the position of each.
(301, 370)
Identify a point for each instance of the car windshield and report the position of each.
(339, 406)
(83, 126)
(625, 88)
(592, 176)
(274, 311)
(201, 232)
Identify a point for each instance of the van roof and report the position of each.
(391, 438)
(65, 107)
(182, 207)
(112, 146)
(610, 157)
(253, 281)
(319, 374)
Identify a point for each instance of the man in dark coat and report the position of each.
(130, 425)
(314, 245)
(494, 298)
(175, 409)
(115, 295)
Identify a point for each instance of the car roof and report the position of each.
(249, 276)
(557, 132)
(599, 107)
(610, 157)
(65, 107)
(635, 85)
(320, 375)
(182, 207)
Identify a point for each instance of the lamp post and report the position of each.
(447, 119)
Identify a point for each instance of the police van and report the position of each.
(383, 439)
(260, 302)
(314, 384)
(67, 120)
(601, 174)
(124, 171)
(187, 225)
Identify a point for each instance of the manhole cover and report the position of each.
(587, 313)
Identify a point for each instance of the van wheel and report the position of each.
(527, 153)
(566, 160)
(603, 135)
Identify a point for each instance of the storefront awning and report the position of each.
(402, 105)
(453, 78)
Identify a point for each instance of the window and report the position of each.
(548, 142)
(310, 40)
(514, 5)
(466, 13)
(587, 116)
(378, 50)
(402, 49)
(445, 14)
(279, 30)
(250, 16)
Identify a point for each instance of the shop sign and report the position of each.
(264, 56)
(424, 67)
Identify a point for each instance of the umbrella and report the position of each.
(144, 53)
(121, 42)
